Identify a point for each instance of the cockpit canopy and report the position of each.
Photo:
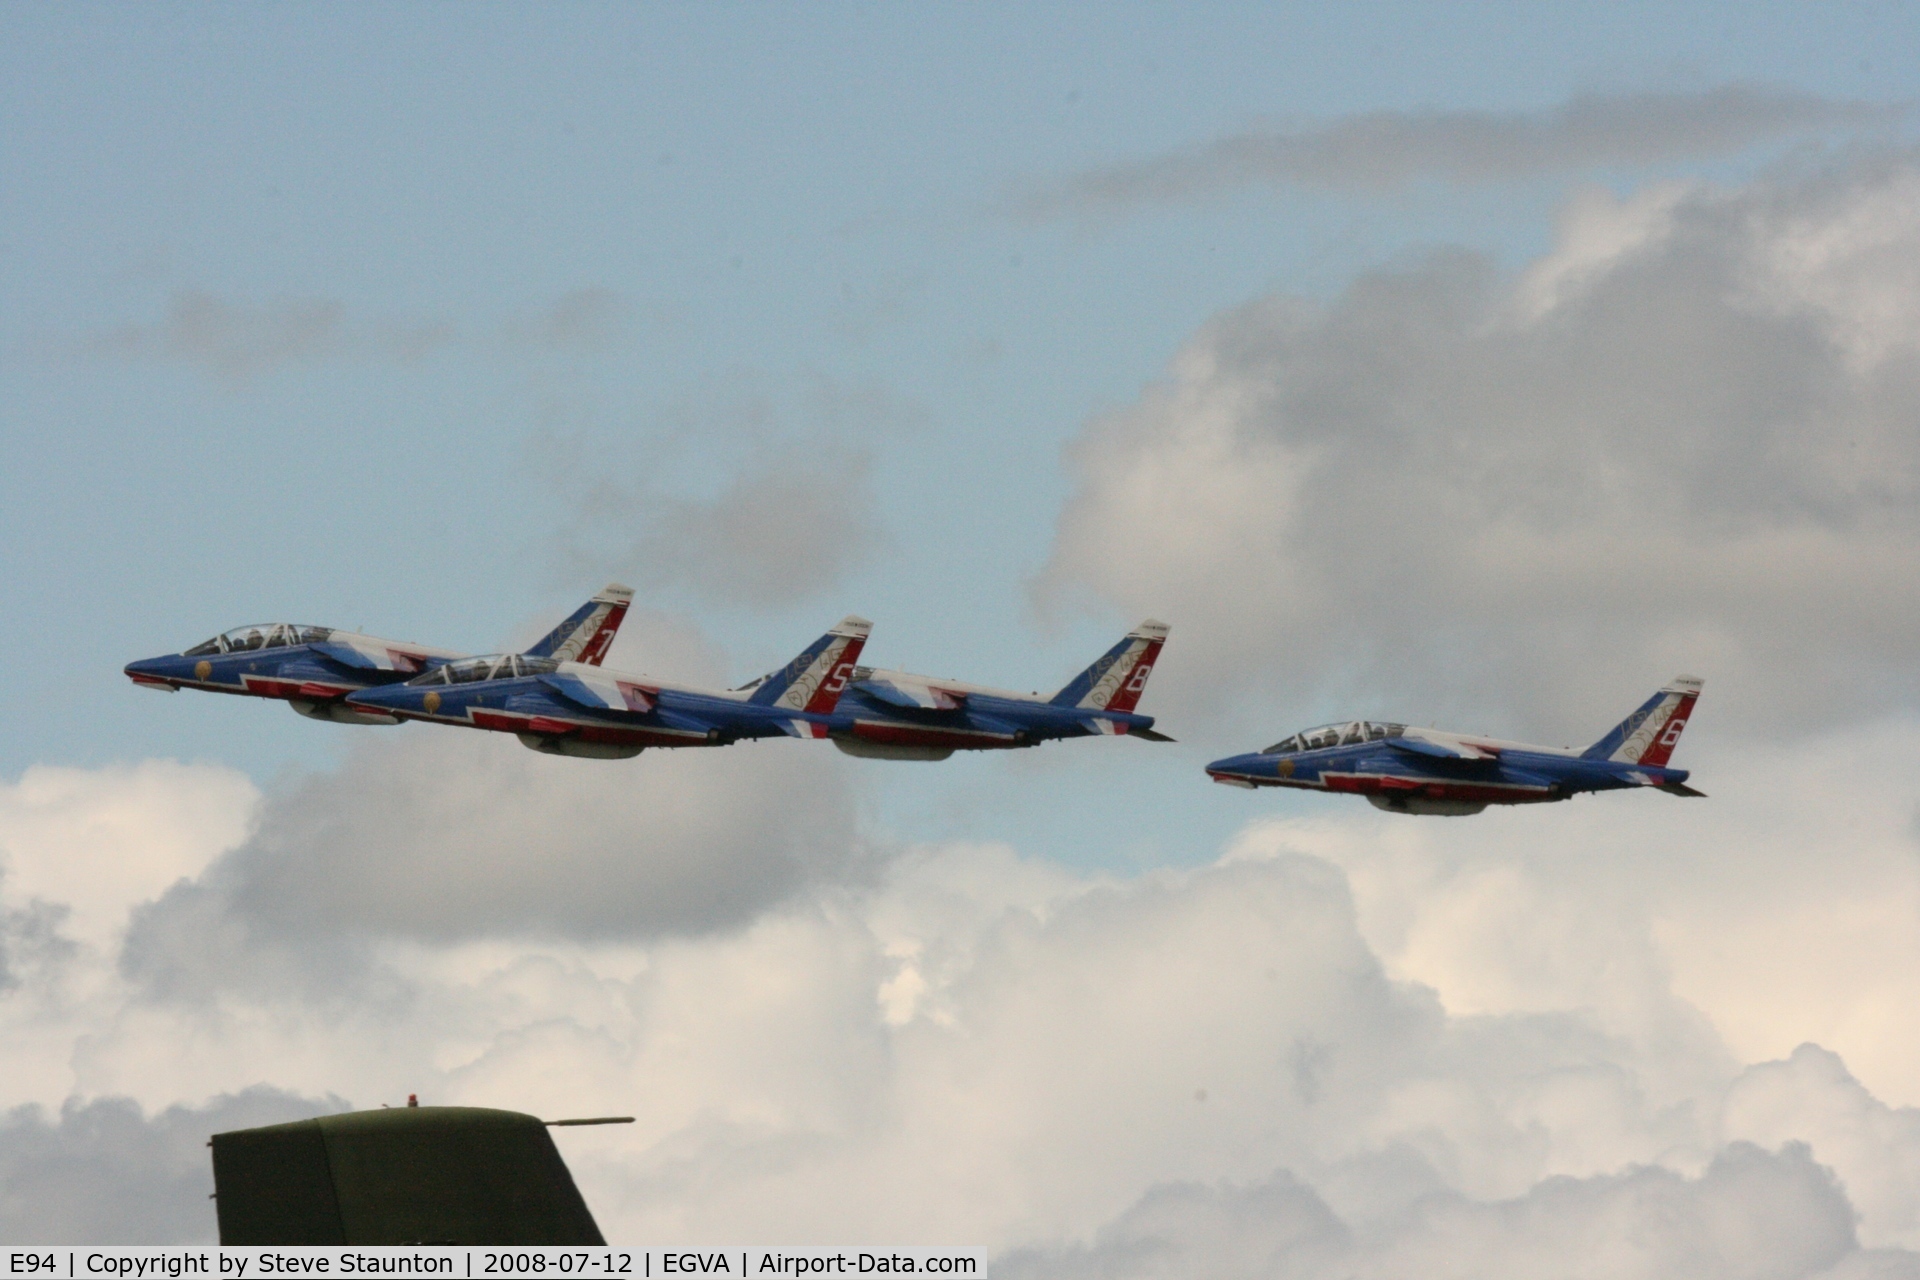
(1347, 734)
(495, 666)
(265, 635)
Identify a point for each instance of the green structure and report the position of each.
(405, 1175)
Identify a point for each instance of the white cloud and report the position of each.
(1356, 1045)
(1682, 441)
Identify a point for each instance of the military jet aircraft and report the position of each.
(895, 715)
(573, 709)
(1411, 770)
(315, 668)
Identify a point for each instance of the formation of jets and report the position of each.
(558, 698)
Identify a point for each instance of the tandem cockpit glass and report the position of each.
(1346, 734)
(504, 666)
(266, 635)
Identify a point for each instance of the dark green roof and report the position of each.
(404, 1175)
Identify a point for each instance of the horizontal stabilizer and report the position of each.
(1680, 789)
(911, 694)
(1439, 750)
(803, 728)
(1151, 735)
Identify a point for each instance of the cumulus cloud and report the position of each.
(1683, 440)
(104, 1173)
(458, 835)
(1384, 149)
(1355, 1044)
(1751, 1214)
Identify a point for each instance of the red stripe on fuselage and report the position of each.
(548, 727)
(924, 736)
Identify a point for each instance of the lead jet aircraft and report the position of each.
(314, 669)
(1406, 770)
(894, 715)
(574, 709)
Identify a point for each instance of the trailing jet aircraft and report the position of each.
(315, 668)
(1408, 770)
(574, 709)
(897, 716)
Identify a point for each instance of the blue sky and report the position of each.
(788, 229)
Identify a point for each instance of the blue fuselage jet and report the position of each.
(315, 669)
(572, 709)
(1410, 770)
(895, 715)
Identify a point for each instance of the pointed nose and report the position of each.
(396, 698)
(1243, 769)
(154, 673)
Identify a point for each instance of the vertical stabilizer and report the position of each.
(1649, 735)
(1116, 681)
(814, 680)
(588, 630)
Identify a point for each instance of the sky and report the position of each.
(1472, 365)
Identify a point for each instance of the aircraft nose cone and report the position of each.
(1251, 765)
(153, 672)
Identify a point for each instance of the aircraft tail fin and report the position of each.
(1649, 735)
(814, 680)
(1116, 681)
(588, 630)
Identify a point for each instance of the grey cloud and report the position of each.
(31, 943)
(233, 340)
(1752, 1215)
(448, 835)
(793, 516)
(788, 527)
(585, 319)
(102, 1172)
(1385, 149)
(1682, 441)
(236, 340)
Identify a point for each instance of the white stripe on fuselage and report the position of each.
(1494, 745)
(954, 686)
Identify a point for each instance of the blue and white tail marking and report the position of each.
(588, 630)
(1649, 735)
(1116, 681)
(814, 680)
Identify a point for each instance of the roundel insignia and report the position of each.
(1286, 768)
(202, 669)
(432, 702)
